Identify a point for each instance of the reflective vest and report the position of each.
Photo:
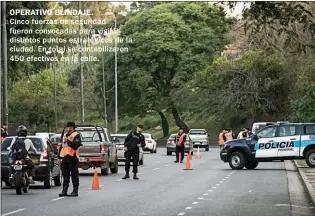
(221, 140)
(68, 150)
(229, 136)
(181, 138)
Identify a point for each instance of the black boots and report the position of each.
(126, 176)
(135, 176)
(75, 192)
(64, 191)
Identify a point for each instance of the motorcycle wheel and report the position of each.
(18, 182)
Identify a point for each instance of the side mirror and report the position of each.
(255, 137)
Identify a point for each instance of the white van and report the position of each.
(260, 125)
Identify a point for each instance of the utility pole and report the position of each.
(5, 62)
(116, 77)
(0, 72)
(81, 71)
(55, 95)
(104, 91)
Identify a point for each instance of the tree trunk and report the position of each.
(178, 120)
(165, 125)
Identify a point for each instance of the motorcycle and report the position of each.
(20, 177)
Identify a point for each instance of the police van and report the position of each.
(276, 142)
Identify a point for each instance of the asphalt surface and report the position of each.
(164, 188)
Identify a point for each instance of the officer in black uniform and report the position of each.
(69, 163)
(133, 142)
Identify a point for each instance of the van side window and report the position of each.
(309, 129)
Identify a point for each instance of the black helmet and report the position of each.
(21, 131)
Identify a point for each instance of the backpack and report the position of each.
(18, 151)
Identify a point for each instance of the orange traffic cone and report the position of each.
(187, 166)
(95, 184)
(198, 154)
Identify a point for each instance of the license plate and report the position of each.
(82, 159)
(17, 167)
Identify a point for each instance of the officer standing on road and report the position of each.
(180, 140)
(69, 158)
(222, 138)
(133, 142)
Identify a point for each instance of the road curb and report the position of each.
(306, 183)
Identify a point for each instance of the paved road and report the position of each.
(164, 188)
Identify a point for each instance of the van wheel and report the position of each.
(251, 165)
(47, 181)
(237, 160)
(104, 172)
(115, 168)
(310, 158)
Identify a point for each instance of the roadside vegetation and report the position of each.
(188, 65)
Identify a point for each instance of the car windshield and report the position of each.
(55, 139)
(198, 132)
(91, 135)
(172, 137)
(38, 143)
(147, 136)
(119, 139)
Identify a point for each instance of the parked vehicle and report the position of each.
(20, 177)
(199, 138)
(277, 142)
(56, 141)
(119, 140)
(47, 169)
(150, 143)
(45, 135)
(97, 149)
(171, 146)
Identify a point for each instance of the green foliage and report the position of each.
(303, 108)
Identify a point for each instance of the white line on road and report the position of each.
(181, 213)
(214, 187)
(205, 194)
(150, 156)
(200, 198)
(168, 165)
(217, 184)
(13, 212)
(141, 173)
(119, 180)
(221, 182)
(156, 168)
(249, 191)
(224, 179)
(195, 203)
(189, 207)
(59, 198)
(209, 190)
(281, 205)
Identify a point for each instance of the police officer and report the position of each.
(133, 142)
(180, 140)
(68, 158)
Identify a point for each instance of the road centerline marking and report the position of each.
(195, 203)
(59, 198)
(168, 165)
(156, 168)
(13, 212)
(189, 207)
(181, 213)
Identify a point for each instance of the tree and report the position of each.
(170, 42)
(303, 108)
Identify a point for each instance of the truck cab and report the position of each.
(276, 142)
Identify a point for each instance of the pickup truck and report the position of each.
(97, 149)
(277, 142)
(199, 138)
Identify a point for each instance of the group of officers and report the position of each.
(227, 135)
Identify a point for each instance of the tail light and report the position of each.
(44, 156)
(102, 148)
(18, 162)
(169, 142)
